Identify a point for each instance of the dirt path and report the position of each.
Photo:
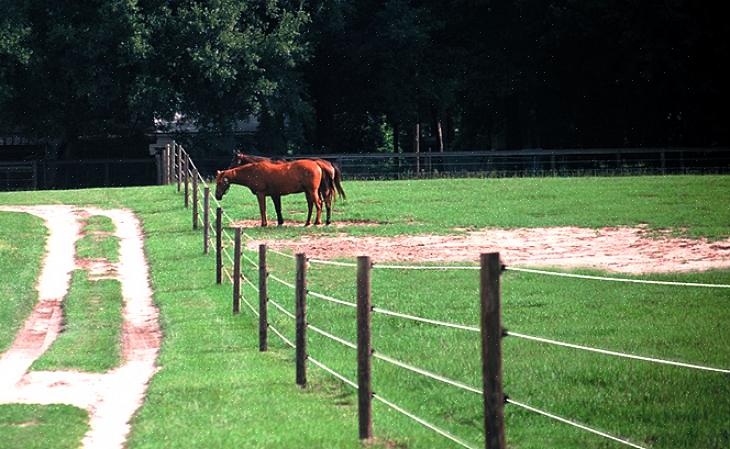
(615, 249)
(110, 398)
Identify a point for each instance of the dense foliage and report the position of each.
(360, 75)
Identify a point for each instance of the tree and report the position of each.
(108, 67)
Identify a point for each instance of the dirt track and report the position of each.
(111, 398)
(614, 249)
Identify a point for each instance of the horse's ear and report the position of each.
(217, 172)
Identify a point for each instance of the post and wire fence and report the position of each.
(180, 169)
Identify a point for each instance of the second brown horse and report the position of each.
(266, 178)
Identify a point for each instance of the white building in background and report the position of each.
(165, 129)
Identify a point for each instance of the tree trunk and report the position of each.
(438, 130)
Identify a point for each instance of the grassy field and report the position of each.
(22, 239)
(216, 390)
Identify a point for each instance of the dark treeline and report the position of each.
(366, 75)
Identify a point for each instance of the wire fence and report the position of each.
(231, 242)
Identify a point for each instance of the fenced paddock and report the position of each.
(523, 163)
(328, 306)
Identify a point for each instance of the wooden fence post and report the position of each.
(364, 350)
(237, 272)
(301, 320)
(218, 244)
(206, 219)
(263, 300)
(179, 165)
(491, 332)
(166, 164)
(186, 177)
(170, 162)
(195, 200)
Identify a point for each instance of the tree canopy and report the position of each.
(359, 75)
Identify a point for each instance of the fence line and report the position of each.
(615, 354)
(612, 279)
(573, 423)
(192, 172)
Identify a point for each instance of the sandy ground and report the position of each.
(614, 249)
(111, 398)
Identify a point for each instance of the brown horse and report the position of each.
(328, 189)
(241, 159)
(267, 178)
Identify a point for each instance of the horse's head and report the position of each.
(222, 184)
(236, 161)
(240, 159)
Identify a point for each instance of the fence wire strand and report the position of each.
(615, 353)
(334, 263)
(333, 372)
(573, 423)
(249, 259)
(282, 309)
(332, 337)
(281, 281)
(331, 299)
(423, 422)
(289, 256)
(250, 306)
(280, 335)
(254, 286)
(429, 374)
(425, 267)
(425, 320)
(613, 279)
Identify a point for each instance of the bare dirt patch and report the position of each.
(113, 397)
(614, 249)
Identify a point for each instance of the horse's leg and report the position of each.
(262, 208)
(310, 200)
(328, 204)
(318, 205)
(277, 205)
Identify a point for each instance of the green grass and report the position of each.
(214, 389)
(41, 426)
(22, 242)
(689, 204)
(91, 339)
(97, 243)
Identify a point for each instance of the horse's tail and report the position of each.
(337, 181)
(327, 186)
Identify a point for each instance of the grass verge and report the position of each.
(22, 242)
(91, 339)
(215, 389)
(41, 426)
